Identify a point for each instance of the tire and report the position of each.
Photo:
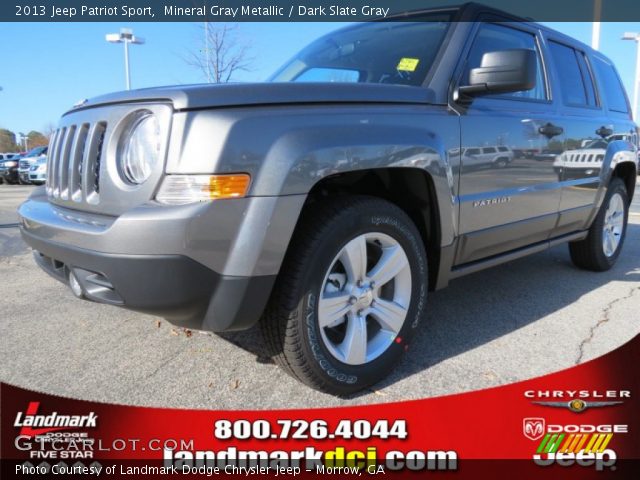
(501, 163)
(315, 269)
(592, 253)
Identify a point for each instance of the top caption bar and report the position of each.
(298, 11)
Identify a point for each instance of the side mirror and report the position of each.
(501, 72)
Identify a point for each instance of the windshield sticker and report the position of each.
(408, 64)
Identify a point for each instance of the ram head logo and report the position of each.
(533, 428)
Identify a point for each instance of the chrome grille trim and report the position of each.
(75, 165)
(55, 184)
(72, 173)
(63, 163)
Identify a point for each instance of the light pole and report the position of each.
(25, 141)
(595, 32)
(125, 36)
(636, 79)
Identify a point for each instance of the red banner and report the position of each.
(576, 423)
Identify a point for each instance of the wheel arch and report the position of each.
(627, 172)
(411, 189)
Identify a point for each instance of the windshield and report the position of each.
(399, 53)
(36, 152)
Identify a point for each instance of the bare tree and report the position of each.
(49, 128)
(223, 53)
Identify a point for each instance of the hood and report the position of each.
(186, 97)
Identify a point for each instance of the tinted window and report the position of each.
(378, 52)
(472, 151)
(570, 77)
(492, 37)
(610, 86)
(503, 149)
(488, 150)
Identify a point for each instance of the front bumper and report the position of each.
(10, 174)
(24, 175)
(204, 266)
(37, 177)
(172, 286)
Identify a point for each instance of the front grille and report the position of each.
(73, 170)
(24, 164)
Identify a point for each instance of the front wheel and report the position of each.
(600, 250)
(350, 294)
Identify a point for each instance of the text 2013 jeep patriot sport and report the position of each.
(326, 203)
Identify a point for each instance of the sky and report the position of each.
(51, 66)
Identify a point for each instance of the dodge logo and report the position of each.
(533, 428)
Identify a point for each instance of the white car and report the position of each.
(28, 161)
(492, 156)
(38, 172)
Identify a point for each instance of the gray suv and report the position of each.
(326, 203)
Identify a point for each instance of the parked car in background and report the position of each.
(38, 172)
(28, 161)
(9, 170)
(484, 157)
(3, 157)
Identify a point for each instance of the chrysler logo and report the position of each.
(577, 405)
(533, 428)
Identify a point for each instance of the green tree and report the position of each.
(8, 141)
(36, 139)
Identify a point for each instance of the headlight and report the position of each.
(10, 164)
(140, 148)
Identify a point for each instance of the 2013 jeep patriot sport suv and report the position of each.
(326, 203)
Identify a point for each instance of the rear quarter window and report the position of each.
(611, 86)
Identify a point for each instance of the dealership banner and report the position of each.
(297, 10)
(583, 422)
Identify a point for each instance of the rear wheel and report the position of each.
(501, 162)
(349, 296)
(600, 250)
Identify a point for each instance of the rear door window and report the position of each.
(575, 92)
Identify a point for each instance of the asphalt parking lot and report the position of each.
(513, 322)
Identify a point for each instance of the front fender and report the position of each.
(288, 149)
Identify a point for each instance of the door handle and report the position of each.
(604, 131)
(550, 130)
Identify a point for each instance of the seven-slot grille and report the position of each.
(73, 170)
(585, 157)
